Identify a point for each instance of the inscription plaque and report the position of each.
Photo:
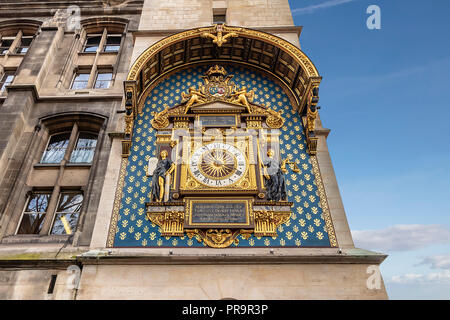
(219, 213)
(207, 213)
(218, 121)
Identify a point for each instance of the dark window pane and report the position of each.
(22, 50)
(70, 202)
(6, 80)
(92, 43)
(56, 148)
(25, 42)
(31, 223)
(65, 223)
(67, 214)
(34, 214)
(5, 44)
(80, 81)
(103, 81)
(112, 43)
(219, 19)
(38, 202)
(85, 148)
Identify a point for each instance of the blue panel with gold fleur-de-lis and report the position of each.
(306, 228)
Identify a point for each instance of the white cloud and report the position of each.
(401, 237)
(438, 262)
(414, 278)
(323, 5)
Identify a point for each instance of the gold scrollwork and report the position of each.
(160, 120)
(171, 222)
(324, 202)
(267, 222)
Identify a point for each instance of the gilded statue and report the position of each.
(243, 97)
(162, 172)
(311, 116)
(160, 120)
(194, 96)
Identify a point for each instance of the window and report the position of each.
(34, 213)
(25, 43)
(7, 78)
(103, 80)
(83, 152)
(5, 44)
(85, 148)
(80, 81)
(219, 18)
(92, 43)
(67, 213)
(56, 148)
(112, 43)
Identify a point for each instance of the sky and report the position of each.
(385, 95)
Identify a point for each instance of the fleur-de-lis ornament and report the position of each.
(220, 38)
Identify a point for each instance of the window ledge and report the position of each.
(35, 238)
(78, 165)
(109, 52)
(58, 165)
(87, 53)
(47, 165)
(17, 54)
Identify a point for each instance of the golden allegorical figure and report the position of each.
(194, 96)
(162, 171)
(242, 97)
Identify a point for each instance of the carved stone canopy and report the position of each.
(222, 43)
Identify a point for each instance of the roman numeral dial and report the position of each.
(218, 164)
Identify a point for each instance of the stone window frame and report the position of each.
(16, 44)
(75, 74)
(50, 212)
(104, 71)
(6, 72)
(27, 202)
(49, 125)
(104, 26)
(46, 147)
(219, 12)
(74, 135)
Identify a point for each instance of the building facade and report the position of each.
(167, 150)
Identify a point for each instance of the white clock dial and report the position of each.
(218, 164)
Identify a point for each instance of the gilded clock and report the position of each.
(218, 164)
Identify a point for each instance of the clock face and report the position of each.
(218, 164)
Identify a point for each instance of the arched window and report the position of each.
(54, 208)
(59, 144)
(56, 148)
(16, 36)
(104, 38)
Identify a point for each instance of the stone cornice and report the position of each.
(56, 98)
(168, 32)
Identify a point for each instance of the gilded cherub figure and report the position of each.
(194, 96)
(243, 97)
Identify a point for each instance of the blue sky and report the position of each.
(385, 95)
